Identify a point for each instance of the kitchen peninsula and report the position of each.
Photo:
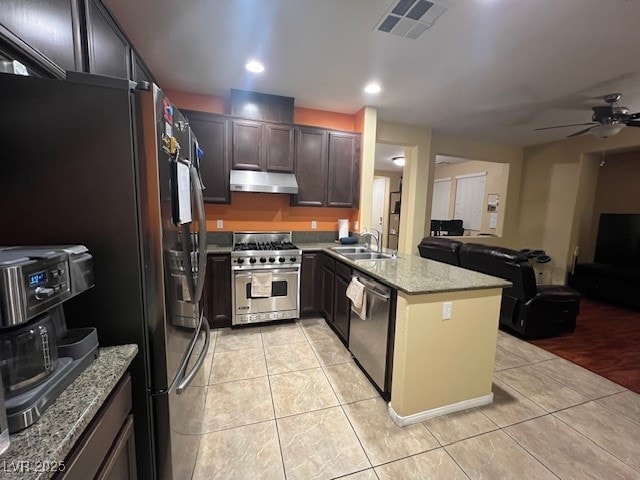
(439, 365)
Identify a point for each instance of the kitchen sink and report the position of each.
(350, 250)
(368, 255)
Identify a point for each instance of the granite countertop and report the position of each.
(415, 275)
(36, 450)
(213, 249)
(410, 274)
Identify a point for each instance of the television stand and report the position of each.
(617, 284)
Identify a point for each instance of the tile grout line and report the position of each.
(275, 421)
(595, 443)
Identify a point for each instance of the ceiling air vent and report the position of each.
(410, 18)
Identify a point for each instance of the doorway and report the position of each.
(389, 173)
(377, 203)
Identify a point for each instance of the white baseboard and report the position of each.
(436, 412)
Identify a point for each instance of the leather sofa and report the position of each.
(531, 310)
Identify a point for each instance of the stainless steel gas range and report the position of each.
(265, 270)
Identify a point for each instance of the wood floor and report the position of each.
(606, 341)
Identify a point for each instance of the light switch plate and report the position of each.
(219, 224)
(314, 224)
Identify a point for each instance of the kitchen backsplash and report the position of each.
(224, 239)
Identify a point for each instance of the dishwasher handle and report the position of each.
(371, 288)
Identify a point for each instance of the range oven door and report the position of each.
(282, 304)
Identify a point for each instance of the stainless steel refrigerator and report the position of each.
(114, 166)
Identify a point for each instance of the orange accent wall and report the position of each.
(267, 211)
(198, 101)
(324, 119)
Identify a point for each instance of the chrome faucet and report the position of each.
(375, 234)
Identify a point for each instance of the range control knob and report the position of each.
(271, 259)
(252, 260)
(241, 260)
(281, 259)
(263, 260)
(293, 259)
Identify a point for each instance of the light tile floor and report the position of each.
(287, 401)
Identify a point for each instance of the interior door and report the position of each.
(441, 197)
(469, 200)
(377, 204)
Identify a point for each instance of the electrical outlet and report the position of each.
(446, 310)
(219, 224)
(356, 225)
(314, 224)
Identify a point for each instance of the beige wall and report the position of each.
(442, 362)
(616, 192)
(496, 182)
(366, 122)
(489, 152)
(558, 194)
(414, 188)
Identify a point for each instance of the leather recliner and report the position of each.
(529, 309)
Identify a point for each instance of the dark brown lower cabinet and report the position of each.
(106, 450)
(341, 304)
(310, 283)
(336, 307)
(328, 266)
(217, 292)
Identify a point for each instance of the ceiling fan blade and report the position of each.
(579, 133)
(570, 125)
(634, 116)
(633, 123)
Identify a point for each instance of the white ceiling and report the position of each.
(384, 155)
(489, 70)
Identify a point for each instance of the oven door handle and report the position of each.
(245, 274)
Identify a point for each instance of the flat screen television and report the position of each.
(619, 239)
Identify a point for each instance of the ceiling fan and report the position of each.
(607, 119)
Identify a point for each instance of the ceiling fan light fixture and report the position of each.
(399, 161)
(606, 130)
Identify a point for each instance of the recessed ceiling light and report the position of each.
(254, 66)
(399, 161)
(372, 88)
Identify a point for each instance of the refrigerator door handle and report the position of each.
(185, 359)
(187, 379)
(202, 233)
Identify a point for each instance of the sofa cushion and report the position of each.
(501, 262)
(440, 249)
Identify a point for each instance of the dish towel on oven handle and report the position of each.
(261, 284)
(358, 297)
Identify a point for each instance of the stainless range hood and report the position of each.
(265, 182)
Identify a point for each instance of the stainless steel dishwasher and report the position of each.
(368, 338)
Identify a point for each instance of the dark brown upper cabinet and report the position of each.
(43, 35)
(107, 47)
(262, 146)
(327, 168)
(343, 186)
(279, 147)
(247, 135)
(212, 132)
(311, 167)
(140, 73)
